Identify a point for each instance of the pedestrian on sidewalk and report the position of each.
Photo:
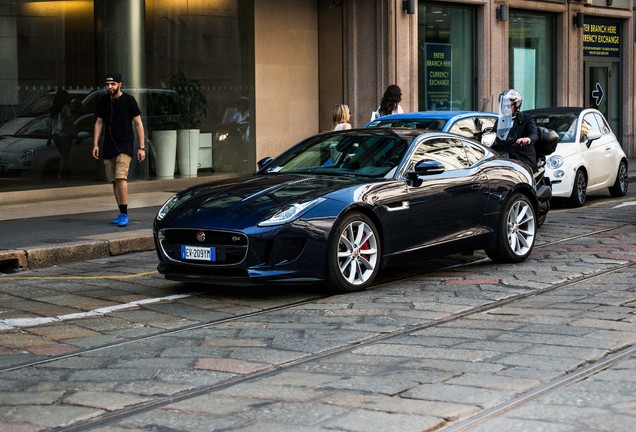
(115, 114)
(390, 103)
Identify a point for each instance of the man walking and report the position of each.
(115, 114)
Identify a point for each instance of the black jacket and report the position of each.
(523, 126)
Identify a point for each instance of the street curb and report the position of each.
(42, 257)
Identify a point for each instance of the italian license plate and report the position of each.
(198, 253)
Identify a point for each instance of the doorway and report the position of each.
(602, 92)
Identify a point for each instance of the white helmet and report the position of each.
(513, 96)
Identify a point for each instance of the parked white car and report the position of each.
(588, 157)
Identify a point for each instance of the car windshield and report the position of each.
(372, 154)
(564, 124)
(36, 128)
(39, 106)
(429, 123)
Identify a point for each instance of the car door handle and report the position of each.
(404, 205)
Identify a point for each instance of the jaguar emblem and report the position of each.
(201, 236)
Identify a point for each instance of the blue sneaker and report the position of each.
(123, 220)
(117, 220)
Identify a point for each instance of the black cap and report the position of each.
(113, 77)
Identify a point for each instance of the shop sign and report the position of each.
(438, 75)
(601, 38)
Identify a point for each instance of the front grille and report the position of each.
(231, 247)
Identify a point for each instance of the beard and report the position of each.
(112, 91)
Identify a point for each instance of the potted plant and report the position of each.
(163, 106)
(192, 106)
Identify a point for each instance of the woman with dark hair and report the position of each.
(61, 126)
(390, 103)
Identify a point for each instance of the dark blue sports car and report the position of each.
(339, 206)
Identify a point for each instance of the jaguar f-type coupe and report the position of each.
(338, 207)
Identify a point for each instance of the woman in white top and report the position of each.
(341, 117)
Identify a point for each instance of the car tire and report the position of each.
(541, 219)
(579, 189)
(354, 252)
(516, 233)
(621, 184)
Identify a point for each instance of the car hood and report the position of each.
(565, 150)
(17, 144)
(244, 202)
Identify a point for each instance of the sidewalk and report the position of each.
(47, 227)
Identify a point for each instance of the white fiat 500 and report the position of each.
(588, 157)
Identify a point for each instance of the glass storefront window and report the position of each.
(71, 44)
(446, 57)
(532, 53)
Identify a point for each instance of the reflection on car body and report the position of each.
(339, 206)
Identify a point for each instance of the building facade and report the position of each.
(270, 71)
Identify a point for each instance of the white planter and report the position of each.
(165, 144)
(188, 152)
(205, 150)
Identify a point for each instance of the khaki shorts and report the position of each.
(117, 168)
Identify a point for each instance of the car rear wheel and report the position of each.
(619, 188)
(354, 254)
(516, 232)
(579, 189)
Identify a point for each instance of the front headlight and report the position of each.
(168, 205)
(554, 162)
(289, 213)
(27, 154)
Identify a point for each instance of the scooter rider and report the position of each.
(516, 132)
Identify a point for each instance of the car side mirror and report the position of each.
(264, 162)
(591, 136)
(488, 137)
(426, 167)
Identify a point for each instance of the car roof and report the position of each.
(555, 110)
(445, 115)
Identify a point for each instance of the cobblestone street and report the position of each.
(449, 344)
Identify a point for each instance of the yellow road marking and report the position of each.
(76, 277)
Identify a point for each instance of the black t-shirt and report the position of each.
(117, 115)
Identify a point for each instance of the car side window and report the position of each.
(465, 127)
(86, 123)
(487, 122)
(603, 126)
(588, 125)
(473, 153)
(450, 152)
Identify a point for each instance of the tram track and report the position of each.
(570, 378)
